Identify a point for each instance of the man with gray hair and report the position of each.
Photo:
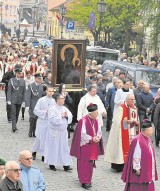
(145, 103)
(29, 173)
(12, 179)
(124, 128)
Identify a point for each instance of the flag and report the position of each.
(92, 21)
(60, 20)
(6, 7)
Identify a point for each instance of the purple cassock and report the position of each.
(148, 171)
(86, 154)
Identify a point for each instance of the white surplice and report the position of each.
(85, 101)
(41, 111)
(57, 150)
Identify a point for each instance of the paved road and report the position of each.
(12, 143)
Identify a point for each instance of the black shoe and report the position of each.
(52, 167)
(13, 130)
(157, 143)
(67, 168)
(30, 134)
(71, 130)
(86, 186)
(43, 158)
(34, 155)
(34, 135)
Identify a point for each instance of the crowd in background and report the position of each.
(112, 88)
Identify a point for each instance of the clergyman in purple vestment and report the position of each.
(139, 172)
(87, 145)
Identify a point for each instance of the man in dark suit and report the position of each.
(6, 77)
(34, 92)
(16, 96)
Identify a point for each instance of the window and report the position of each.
(121, 69)
(152, 78)
(130, 75)
(6, 9)
(10, 11)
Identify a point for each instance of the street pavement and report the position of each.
(12, 143)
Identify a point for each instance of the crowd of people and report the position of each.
(141, 59)
(129, 110)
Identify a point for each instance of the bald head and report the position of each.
(146, 88)
(23, 153)
(25, 158)
(140, 84)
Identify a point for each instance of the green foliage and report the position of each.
(120, 16)
(118, 12)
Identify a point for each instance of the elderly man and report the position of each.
(145, 103)
(140, 171)
(12, 179)
(124, 128)
(2, 168)
(91, 96)
(87, 144)
(31, 177)
(138, 89)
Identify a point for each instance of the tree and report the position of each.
(119, 13)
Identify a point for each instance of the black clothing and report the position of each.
(6, 77)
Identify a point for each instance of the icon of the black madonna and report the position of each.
(68, 64)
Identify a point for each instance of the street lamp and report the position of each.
(101, 8)
(62, 12)
(34, 13)
(19, 12)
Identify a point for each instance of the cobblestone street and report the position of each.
(12, 143)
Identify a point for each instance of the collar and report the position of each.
(23, 167)
(10, 184)
(124, 90)
(126, 104)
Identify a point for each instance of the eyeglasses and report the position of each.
(31, 158)
(15, 170)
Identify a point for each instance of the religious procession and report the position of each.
(108, 100)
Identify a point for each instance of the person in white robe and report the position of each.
(121, 94)
(91, 97)
(41, 111)
(57, 152)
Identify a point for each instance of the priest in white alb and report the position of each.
(91, 97)
(41, 111)
(57, 152)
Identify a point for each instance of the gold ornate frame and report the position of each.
(68, 63)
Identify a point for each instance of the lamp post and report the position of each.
(1, 5)
(62, 12)
(19, 13)
(101, 8)
(34, 13)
